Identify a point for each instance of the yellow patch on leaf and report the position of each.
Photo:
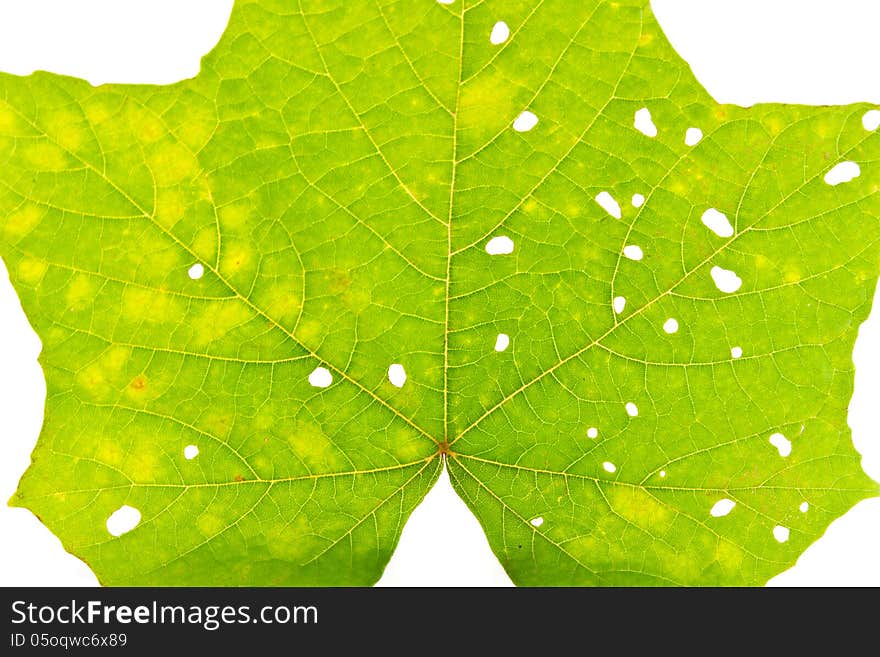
(31, 270)
(45, 156)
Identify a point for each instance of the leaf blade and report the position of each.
(232, 263)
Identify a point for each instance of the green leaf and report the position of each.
(626, 329)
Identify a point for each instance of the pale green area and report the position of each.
(338, 169)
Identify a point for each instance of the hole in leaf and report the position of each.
(638, 200)
(397, 375)
(871, 120)
(501, 245)
(445, 2)
(536, 522)
(717, 222)
(804, 507)
(644, 123)
(592, 433)
(500, 33)
(693, 136)
(781, 443)
(196, 271)
(663, 474)
(320, 377)
(631, 409)
(781, 533)
(608, 466)
(123, 520)
(671, 325)
(611, 206)
(502, 342)
(843, 173)
(633, 252)
(619, 304)
(736, 352)
(525, 122)
(722, 508)
(190, 452)
(726, 280)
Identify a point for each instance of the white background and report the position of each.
(744, 51)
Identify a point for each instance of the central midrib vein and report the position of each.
(449, 229)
